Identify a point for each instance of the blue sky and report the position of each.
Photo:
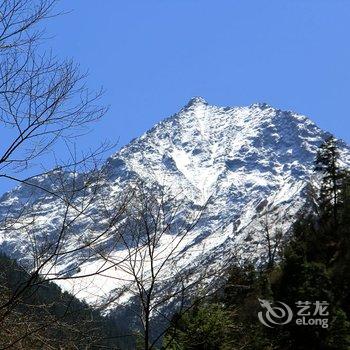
(152, 56)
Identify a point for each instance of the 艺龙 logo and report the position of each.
(274, 314)
(308, 314)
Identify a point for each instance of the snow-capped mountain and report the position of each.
(239, 161)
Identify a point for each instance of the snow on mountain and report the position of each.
(241, 160)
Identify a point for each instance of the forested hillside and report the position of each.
(35, 314)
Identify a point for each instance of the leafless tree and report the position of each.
(42, 101)
(151, 271)
(48, 254)
(273, 228)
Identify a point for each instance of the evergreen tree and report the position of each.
(205, 327)
(316, 261)
(327, 163)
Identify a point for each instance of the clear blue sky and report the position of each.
(152, 56)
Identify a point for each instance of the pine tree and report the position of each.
(327, 163)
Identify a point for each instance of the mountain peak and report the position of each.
(261, 105)
(195, 101)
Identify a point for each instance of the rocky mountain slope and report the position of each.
(240, 161)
